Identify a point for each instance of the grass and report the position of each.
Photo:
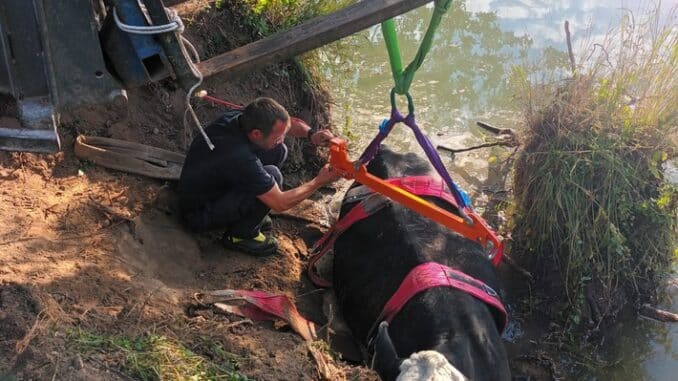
(595, 219)
(267, 17)
(270, 16)
(156, 357)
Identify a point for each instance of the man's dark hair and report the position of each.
(262, 114)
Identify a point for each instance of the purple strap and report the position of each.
(425, 143)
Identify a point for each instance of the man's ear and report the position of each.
(255, 134)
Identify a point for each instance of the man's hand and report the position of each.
(301, 129)
(327, 175)
(322, 137)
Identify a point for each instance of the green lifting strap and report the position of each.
(403, 78)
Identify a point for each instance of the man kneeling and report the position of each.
(234, 186)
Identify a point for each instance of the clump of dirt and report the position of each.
(91, 257)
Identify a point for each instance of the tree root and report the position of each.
(484, 145)
(495, 130)
(657, 314)
(509, 261)
(507, 138)
(326, 366)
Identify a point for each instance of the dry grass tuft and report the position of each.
(595, 218)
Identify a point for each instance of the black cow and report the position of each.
(373, 256)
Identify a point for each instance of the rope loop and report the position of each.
(176, 24)
(410, 102)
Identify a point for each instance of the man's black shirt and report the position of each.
(233, 165)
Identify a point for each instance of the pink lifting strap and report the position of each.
(431, 274)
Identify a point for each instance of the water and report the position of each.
(465, 79)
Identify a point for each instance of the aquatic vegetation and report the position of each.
(595, 220)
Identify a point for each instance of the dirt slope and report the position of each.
(88, 252)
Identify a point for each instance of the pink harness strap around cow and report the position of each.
(431, 274)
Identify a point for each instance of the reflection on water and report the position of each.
(466, 78)
(645, 349)
(464, 75)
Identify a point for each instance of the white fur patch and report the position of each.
(428, 366)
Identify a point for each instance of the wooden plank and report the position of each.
(311, 34)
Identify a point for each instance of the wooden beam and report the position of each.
(307, 36)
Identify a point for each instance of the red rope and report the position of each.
(223, 102)
(237, 106)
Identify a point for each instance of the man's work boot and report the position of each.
(259, 246)
(266, 224)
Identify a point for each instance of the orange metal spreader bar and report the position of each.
(477, 231)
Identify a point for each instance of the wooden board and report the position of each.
(311, 34)
(130, 157)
